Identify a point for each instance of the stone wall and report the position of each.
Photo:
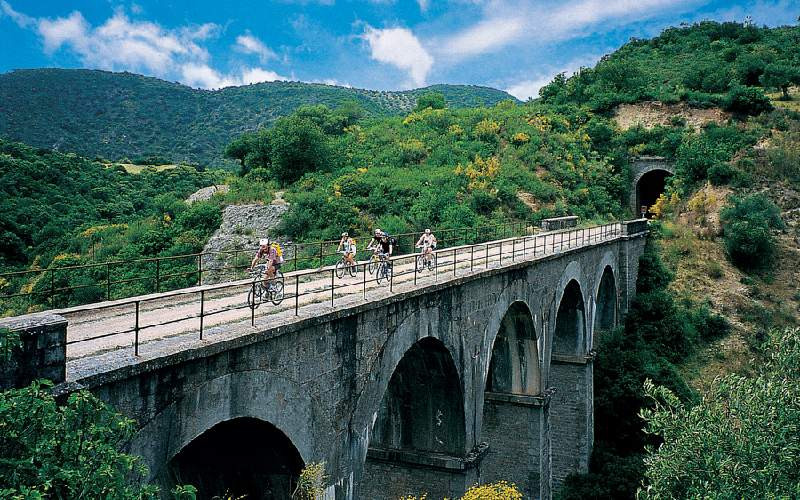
(42, 353)
(571, 418)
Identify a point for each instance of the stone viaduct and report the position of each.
(477, 378)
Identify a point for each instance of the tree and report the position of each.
(781, 76)
(433, 100)
(297, 146)
(747, 100)
(239, 147)
(741, 441)
(69, 451)
(747, 224)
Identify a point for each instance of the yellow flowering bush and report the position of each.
(479, 171)
(455, 129)
(500, 490)
(701, 204)
(94, 230)
(540, 123)
(486, 129)
(520, 138)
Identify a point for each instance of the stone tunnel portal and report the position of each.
(240, 457)
(650, 186)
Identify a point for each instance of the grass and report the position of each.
(138, 169)
(791, 105)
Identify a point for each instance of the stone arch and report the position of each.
(249, 394)
(649, 176)
(569, 335)
(423, 408)
(606, 308)
(514, 366)
(240, 457)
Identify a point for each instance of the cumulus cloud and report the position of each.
(250, 44)
(125, 44)
(529, 88)
(401, 49)
(505, 23)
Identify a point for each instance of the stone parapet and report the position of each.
(42, 353)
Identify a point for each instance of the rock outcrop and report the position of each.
(231, 247)
(205, 194)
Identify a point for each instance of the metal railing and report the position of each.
(314, 286)
(157, 274)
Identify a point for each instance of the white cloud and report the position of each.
(121, 43)
(250, 44)
(424, 5)
(22, 20)
(506, 23)
(400, 48)
(204, 76)
(529, 88)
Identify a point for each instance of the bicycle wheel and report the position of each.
(352, 269)
(276, 297)
(432, 262)
(420, 263)
(373, 264)
(254, 300)
(381, 273)
(340, 269)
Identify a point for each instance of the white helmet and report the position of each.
(263, 242)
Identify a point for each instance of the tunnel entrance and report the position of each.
(240, 457)
(605, 317)
(514, 366)
(650, 186)
(570, 322)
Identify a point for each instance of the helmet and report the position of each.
(427, 231)
(344, 235)
(378, 231)
(263, 242)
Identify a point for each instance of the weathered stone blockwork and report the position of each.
(43, 351)
(321, 378)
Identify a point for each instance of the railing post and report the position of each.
(365, 281)
(296, 294)
(524, 246)
(332, 285)
(136, 332)
(158, 275)
(471, 257)
(487, 255)
(253, 304)
(199, 270)
(501, 252)
(202, 311)
(295, 256)
(108, 281)
(320, 254)
(415, 269)
(513, 249)
(391, 274)
(454, 262)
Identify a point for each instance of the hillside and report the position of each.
(704, 65)
(123, 115)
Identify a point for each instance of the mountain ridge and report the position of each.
(126, 115)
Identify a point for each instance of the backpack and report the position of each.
(393, 242)
(278, 252)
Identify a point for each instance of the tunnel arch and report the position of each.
(569, 338)
(423, 406)
(649, 186)
(243, 456)
(606, 307)
(514, 366)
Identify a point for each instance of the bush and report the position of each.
(747, 225)
(746, 100)
(720, 174)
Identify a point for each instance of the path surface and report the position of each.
(170, 320)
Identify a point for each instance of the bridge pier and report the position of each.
(571, 415)
(517, 428)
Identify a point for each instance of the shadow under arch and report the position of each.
(419, 429)
(242, 457)
(606, 302)
(570, 330)
(650, 186)
(514, 366)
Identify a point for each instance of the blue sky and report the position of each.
(376, 44)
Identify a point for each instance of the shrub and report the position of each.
(747, 224)
(720, 174)
(746, 100)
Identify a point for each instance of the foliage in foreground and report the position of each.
(500, 490)
(69, 451)
(741, 441)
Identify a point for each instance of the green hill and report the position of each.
(123, 115)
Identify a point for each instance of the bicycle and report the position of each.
(343, 266)
(383, 269)
(372, 265)
(423, 262)
(259, 293)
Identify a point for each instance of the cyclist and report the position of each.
(427, 242)
(386, 246)
(347, 247)
(265, 250)
(376, 241)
